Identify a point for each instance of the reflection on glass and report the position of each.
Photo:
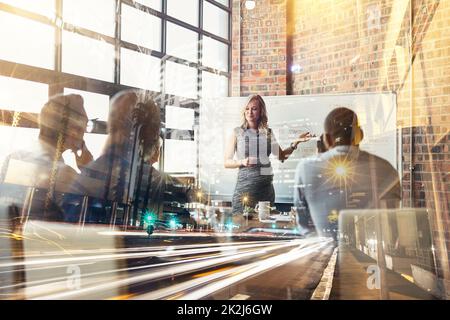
(173, 162)
(214, 85)
(186, 10)
(215, 54)
(179, 118)
(12, 95)
(395, 242)
(154, 4)
(139, 70)
(98, 15)
(181, 42)
(95, 104)
(43, 7)
(141, 28)
(87, 57)
(215, 20)
(181, 80)
(25, 41)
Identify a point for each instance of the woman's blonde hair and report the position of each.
(263, 119)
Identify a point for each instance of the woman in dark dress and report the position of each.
(249, 149)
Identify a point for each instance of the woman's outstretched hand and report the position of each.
(305, 136)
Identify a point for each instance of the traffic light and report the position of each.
(150, 217)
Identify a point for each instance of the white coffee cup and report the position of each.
(263, 208)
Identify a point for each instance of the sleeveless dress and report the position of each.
(254, 183)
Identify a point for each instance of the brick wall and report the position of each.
(259, 48)
(366, 46)
(344, 46)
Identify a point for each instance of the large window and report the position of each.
(21, 95)
(181, 42)
(95, 15)
(215, 20)
(181, 123)
(42, 7)
(141, 28)
(213, 85)
(178, 50)
(180, 118)
(96, 105)
(181, 80)
(186, 10)
(215, 54)
(87, 57)
(139, 70)
(26, 41)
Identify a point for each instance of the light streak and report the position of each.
(105, 257)
(148, 249)
(166, 272)
(204, 274)
(254, 269)
(86, 275)
(234, 275)
(114, 271)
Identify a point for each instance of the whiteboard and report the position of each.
(288, 117)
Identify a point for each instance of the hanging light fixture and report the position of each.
(248, 11)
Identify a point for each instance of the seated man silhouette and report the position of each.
(110, 180)
(343, 177)
(37, 177)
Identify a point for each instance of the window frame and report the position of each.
(58, 80)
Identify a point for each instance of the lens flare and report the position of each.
(341, 171)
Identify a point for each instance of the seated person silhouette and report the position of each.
(342, 177)
(37, 177)
(133, 129)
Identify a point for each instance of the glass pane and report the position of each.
(181, 42)
(141, 28)
(87, 57)
(172, 160)
(179, 118)
(181, 80)
(98, 15)
(215, 20)
(95, 104)
(140, 70)
(214, 85)
(43, 7)
(215, 54)
(25, 41)
(154, 4)
(186, 10)
(12, 95)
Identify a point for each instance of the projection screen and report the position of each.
(288, 117)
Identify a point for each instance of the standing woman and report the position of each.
(252, 143)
